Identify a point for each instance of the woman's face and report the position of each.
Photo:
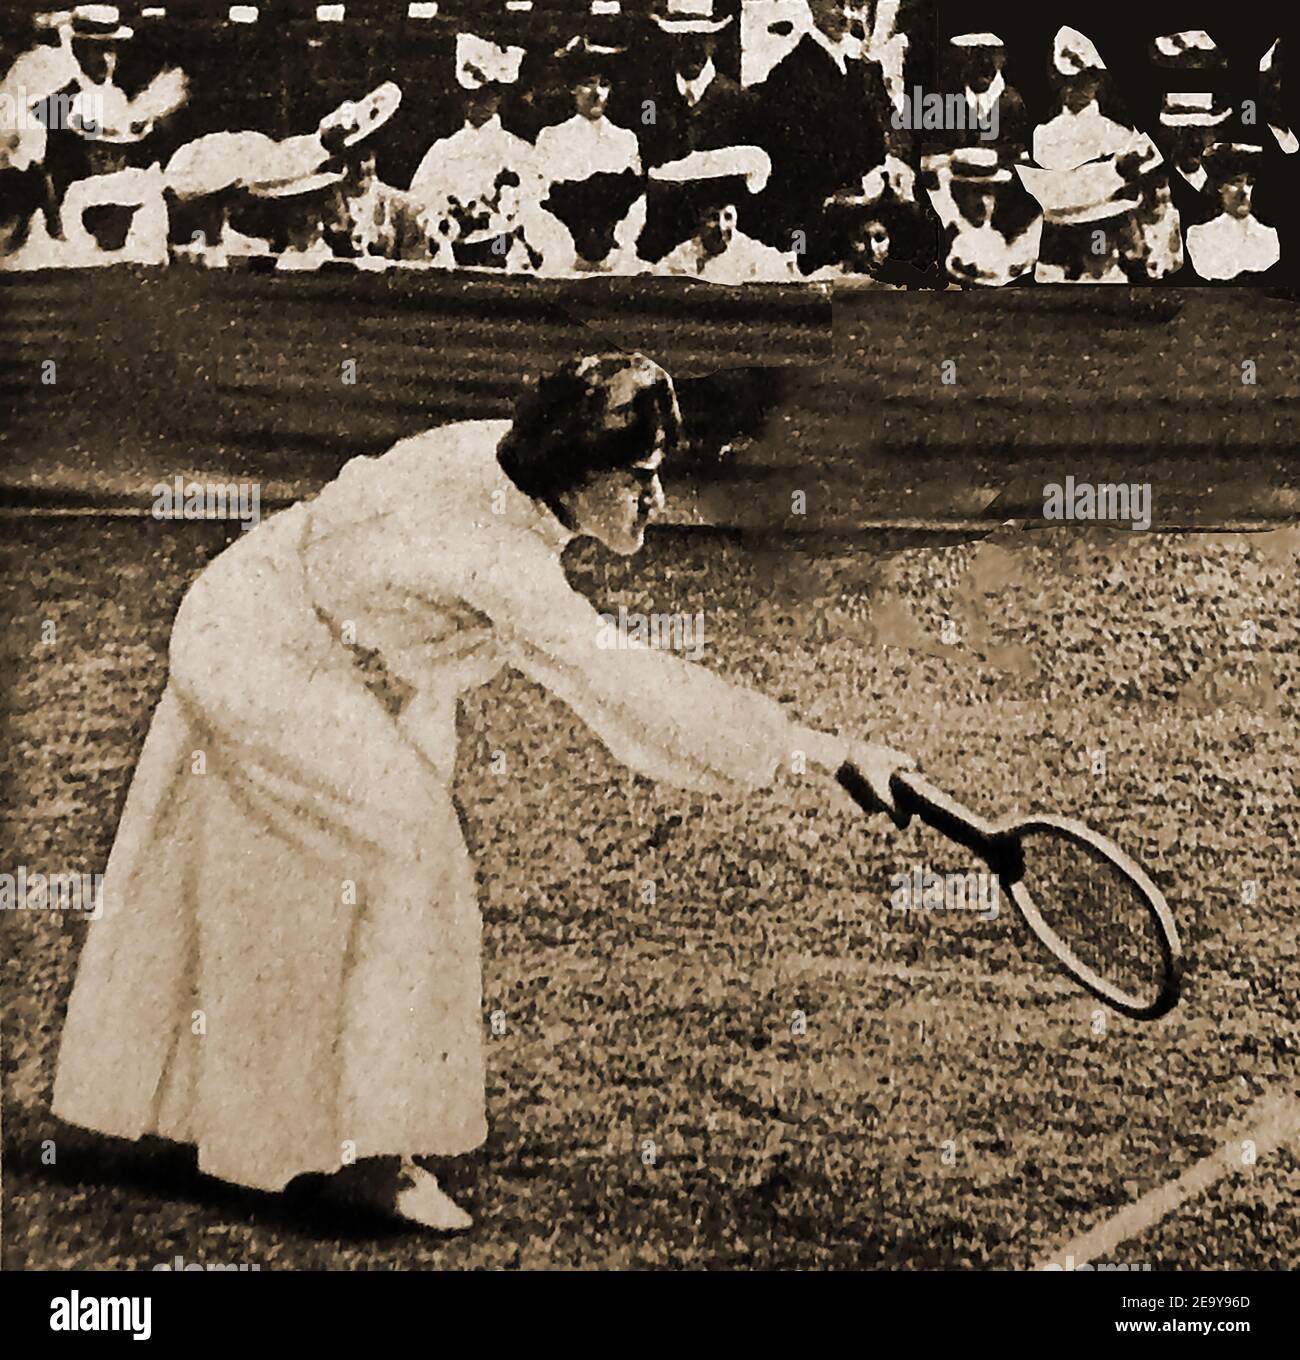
(591, 97)
(1235, 195)
(615, 507)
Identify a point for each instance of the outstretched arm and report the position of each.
(669, 718)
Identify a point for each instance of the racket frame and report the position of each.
(999, 845)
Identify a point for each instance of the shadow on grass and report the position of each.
(159, 1171)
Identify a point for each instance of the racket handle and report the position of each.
(915, 796)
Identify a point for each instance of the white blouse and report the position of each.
(448, 572)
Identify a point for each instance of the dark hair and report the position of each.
(591, 415)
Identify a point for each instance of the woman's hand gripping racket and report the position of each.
(1091, 905)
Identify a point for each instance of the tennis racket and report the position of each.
(1091, 905)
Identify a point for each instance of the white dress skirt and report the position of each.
(286, 971)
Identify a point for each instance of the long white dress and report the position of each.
(287, 966)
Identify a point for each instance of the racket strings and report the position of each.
(1099, 914)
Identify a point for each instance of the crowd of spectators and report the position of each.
(839, 163)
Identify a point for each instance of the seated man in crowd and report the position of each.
(690, 105)
(824, 89)
(1189, 125)
(989, 112)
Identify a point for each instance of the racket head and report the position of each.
(1114, 901)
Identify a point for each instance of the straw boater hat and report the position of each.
(978, 165)
(363, 117)
(986, 41)
(1074, 54)
(480, 63)
(99, 23)
(689, 16)
(1192, 110)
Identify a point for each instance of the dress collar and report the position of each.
(693, 90)
(983, 99)
(532, 514)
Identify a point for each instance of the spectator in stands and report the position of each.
(864, 243)
(1080, 131)
(823, 89)
(218, 186)
(299, 225)
(882, 236)
(998, 109)
(591, 168)
(1235, 242)
(691, 106)
(978, 253)
(1189, 124)
(372, 222)
(478, 191)
(586, 143)
(103, 166)
(718, 251)
(1152, 247)
(1088, 221)
(26, 189)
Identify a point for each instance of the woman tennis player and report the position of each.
(286, 971)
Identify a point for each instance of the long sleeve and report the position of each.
(664, 716)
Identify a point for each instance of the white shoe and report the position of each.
(422, 1200)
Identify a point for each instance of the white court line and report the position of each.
(1268, 1124)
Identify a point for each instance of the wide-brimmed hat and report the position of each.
(298, 186)
(1202, 109)
(1090, 193)
(1075, 54)
(99, 23)
(365, 116)
(749, 163)
(481, 64)
(1193, 49)
(580, 56)
(688, 16)
(1223, 160)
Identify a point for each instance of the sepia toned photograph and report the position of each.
(649, 635)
